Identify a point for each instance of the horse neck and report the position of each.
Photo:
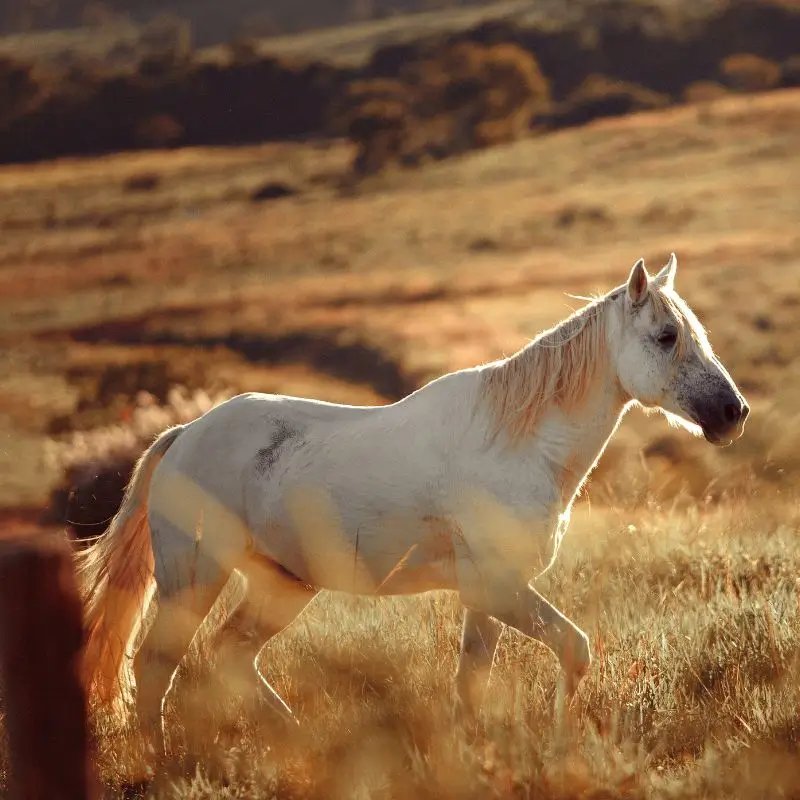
(576, 441)
(585, 401)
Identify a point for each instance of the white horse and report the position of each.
(466, 484)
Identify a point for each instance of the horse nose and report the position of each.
(734, 412)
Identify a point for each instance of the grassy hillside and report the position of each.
(119, 274)
(138, 288)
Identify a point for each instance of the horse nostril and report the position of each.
(745, 410)
(733, 412)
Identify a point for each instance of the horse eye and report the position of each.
(667, 339)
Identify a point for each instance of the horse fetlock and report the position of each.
(465, 713)
(150, 724)
(468, 696)
(462, 689)
(576, 657)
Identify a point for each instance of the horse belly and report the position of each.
(434, 576)
(428, 565)
(380, 559)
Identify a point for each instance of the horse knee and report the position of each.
(237, 648)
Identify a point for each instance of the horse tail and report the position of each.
(114, 576)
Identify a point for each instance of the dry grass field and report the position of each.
(149, 271)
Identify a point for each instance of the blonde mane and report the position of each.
(559, 367)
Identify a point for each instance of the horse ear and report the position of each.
(666, 277)
(637, 283)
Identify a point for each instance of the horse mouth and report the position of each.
(713, 435)
(722, 438)
(716, 439)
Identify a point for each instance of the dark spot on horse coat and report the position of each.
(267, 457)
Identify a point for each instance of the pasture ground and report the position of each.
(148, 270)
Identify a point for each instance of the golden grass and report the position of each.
(695, 626)
(681, 562)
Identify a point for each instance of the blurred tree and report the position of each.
(17, 86)
(97, 14)
(360, 10)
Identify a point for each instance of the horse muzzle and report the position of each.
(724, 423)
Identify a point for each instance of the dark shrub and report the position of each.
(142, 182)
(89, 496)
(18, 87)
(486, 95)
(767, 28)
(350, 102)
(274, 190)
(514, 86)
(650, 45)
(96, 465)
(599, 97)
(495, 31)
(243, 50)
(745, 72)
(704, 92)
(390, 60)
(790, 71)
(168, 37)
(160, 130)
(379, 131)
(566, 56)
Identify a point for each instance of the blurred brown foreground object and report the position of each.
(40, 644)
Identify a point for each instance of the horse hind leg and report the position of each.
(186, 588)
(480, 635)
(273, 599)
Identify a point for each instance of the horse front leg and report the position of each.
(532, 615)
(479, 637)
